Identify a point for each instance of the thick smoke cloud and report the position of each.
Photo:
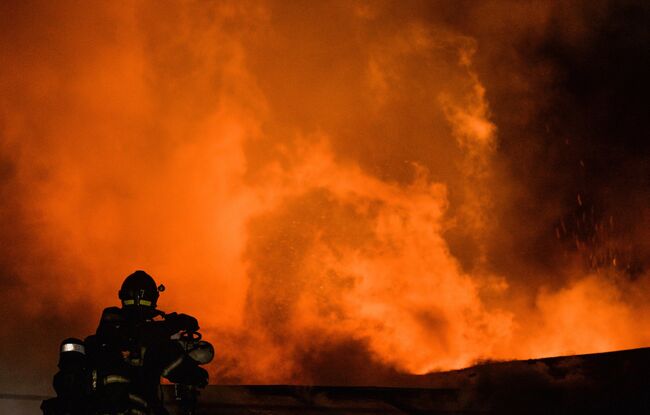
(341, 192)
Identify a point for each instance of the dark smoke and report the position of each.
(573, 135)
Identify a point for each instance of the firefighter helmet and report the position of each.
(139, 289)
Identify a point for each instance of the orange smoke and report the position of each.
(294, 184)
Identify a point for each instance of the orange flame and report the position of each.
(292, 186)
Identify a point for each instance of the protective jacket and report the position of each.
(124, 360)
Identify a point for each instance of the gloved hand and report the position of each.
(178, 322)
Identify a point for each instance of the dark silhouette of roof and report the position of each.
(614, 382)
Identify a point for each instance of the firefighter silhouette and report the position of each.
(118, 369)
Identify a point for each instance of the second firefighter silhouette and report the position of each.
(134, 346)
